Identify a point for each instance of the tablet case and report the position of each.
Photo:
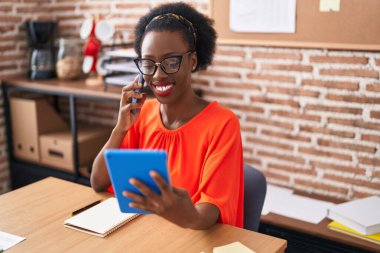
(123, 164)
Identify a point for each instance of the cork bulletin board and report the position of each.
(355, 27)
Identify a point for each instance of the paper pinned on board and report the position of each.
(8, 240)
(263, 16)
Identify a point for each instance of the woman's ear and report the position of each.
(194, 61)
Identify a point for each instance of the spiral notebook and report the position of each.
(100, 220)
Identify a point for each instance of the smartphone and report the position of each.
(141, 81)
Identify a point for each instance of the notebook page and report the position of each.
(100, 218)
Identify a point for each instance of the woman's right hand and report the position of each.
(126, 117)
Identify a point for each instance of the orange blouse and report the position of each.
(204, 155)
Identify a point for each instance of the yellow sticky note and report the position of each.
(329, 5)
(235, 247)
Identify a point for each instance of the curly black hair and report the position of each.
(200, 25)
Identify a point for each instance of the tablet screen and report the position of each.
(123, 164)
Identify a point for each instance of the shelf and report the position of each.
(24, 173)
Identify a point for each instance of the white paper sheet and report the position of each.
(297, 207)
(8, 240)
(274, 194)
(265, 16)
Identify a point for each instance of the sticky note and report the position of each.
(329, 5)
(235, 247)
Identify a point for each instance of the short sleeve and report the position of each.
(222, 182)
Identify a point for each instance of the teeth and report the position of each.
(163, 88)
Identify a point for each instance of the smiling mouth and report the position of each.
(163, 88)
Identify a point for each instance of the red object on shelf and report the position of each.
(92, 48)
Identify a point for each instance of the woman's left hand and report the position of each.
(173, 204)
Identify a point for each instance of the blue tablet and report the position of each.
(123, 164)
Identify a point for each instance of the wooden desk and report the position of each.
(316, 230)
(37, 212)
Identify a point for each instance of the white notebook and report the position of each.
(362, 215)
(100, 220)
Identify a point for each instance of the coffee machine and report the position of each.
(41, 38)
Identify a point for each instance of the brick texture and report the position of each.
(371, 138)
(331, 84)
(325, 154)
(293, 91)
(235, 64)
(375, 114)
(373, 87)
(288, 67)
(277, 101)
(361, 124)
(287, 136)
(326, 131)
(339, 59)
(284, 168)
(351, 72)
(337, 168)
(337, 109)
(377, 61)
(274, 78)
(267, 55)
(324, 186)
(310, 119)
(354, 99)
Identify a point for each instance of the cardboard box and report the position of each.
(57, 147)
(30, 118)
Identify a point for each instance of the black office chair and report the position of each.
(255, 189)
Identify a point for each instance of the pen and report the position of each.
(85, 208)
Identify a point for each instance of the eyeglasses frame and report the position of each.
(156, 64)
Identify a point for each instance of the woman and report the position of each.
(202, 139)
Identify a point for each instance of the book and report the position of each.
(361, 215)
(336, 226)
(101, 219)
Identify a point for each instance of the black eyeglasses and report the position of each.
(169, 65)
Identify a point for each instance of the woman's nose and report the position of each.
(159, 73)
